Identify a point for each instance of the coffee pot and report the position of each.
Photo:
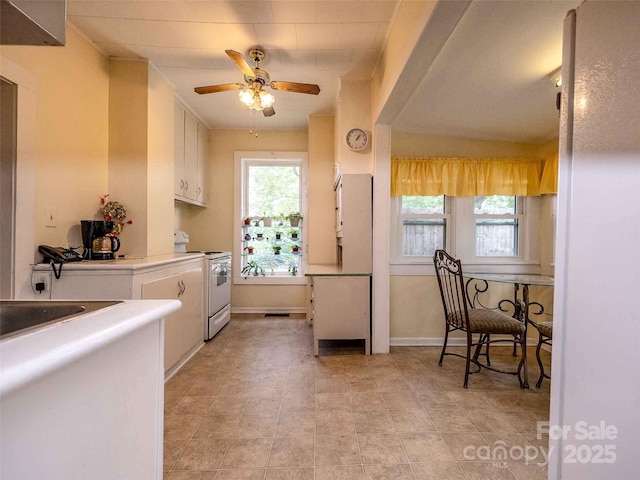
(98, 244)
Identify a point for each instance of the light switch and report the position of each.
(50, 217)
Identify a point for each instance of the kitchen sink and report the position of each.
(21, 316)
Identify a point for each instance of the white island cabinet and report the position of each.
(84, 398)
(339, 305)
(179, 277)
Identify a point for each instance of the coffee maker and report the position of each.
(97, 243)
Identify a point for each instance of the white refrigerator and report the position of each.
(595, 386)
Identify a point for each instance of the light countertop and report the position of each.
(27, 357)
(331, 270)
(128, 263)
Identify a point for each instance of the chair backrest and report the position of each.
(451, 283)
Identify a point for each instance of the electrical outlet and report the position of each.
(42, 278)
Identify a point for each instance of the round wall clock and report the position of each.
(357, 139)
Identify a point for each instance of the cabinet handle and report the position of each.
(186, 185)
(198, 191)
(181, 288)
(181, 184)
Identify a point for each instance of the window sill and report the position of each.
(425, 267)
(270, 280)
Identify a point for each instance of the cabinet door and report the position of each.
(183, 329)
(203, 161)
(178, 179)
(341, 308)
(190, 156)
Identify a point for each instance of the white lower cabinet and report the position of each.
(341, 309)
(183, 329)
(181, 279)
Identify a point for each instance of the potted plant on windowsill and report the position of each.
(247, 221)
(252, 268)
(276, 249)
(267, 220)
(295, 249)
(293, 234)
(278, 234)
(249, 250)
(294, 218)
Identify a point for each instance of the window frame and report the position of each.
(242, 162)
(460, 240)
(521, 230)
(398, 256)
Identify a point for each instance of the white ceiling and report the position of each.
(488, 81)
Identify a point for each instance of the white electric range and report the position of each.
(217, 292)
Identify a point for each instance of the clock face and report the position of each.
(357, 139)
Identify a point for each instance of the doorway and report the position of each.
(8, 143)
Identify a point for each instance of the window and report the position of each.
(497, 219)
(424, 224)
(272, 186)
(489, 232)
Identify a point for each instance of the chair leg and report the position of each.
(539, 382)
(485, 339)
(444, 346)
(524, 379)
(468, 360)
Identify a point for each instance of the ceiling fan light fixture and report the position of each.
(246, 96)
(266, 99)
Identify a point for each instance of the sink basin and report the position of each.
(21, 316)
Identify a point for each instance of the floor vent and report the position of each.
(267, 315)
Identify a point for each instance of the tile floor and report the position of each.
(254, 403)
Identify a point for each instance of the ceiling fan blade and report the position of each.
(219, 88)
(241, 63)
(268, 112)
(309, 88)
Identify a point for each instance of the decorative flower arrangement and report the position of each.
(114, 212)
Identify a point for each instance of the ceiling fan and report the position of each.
(252, 94)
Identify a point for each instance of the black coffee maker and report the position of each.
(97, 243)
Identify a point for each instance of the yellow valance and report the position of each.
(465, 177)
(549, 180)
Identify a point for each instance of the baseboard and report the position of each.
(268, 310)
(437, 342)
(181, 363)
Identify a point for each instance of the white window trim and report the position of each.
(397, 257)
(238, 207)
(460, 241)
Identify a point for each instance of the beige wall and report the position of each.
(547, 217)
(72, 102)
(322, 215)
(73, 88)
(160, 169)
(353, 111)
(415, 305)
(141, 168)
(128, 149)
(211, 228)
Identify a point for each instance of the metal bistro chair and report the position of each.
(474, 321)
(545, 329)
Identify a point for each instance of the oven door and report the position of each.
(219, 285)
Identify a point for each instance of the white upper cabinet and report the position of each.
(203, 161)
(191, 157)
